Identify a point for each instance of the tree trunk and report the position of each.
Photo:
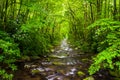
(91, 10)
(105, 8)
(19, 8)
(98, 9)
(108, 9)
(114, 11)
(5, 14)
(119, 10)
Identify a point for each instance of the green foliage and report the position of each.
(107, 41)
(78, 34)
(5, 76)
(106, 59)
(36, 37)
(9, 53)
(100, 31)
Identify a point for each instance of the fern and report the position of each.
(105, 59)
(108, 57)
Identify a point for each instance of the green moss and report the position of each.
(80, 73)
(89, 78)
(58, 63)
(35, 71)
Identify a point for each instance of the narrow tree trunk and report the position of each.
(115, 10)
(85, 15)
(98, 9)
(19, 8)
(119, 10)
(5, 14)
(91, 10)
(105, 8)
(108, 9)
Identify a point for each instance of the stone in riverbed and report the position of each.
(58, 63)
(80, 73)
(52, 50)
(60, 56)
(89, 78)
(37, 70)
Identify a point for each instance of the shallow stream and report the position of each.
(65, 63)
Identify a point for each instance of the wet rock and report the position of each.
(49, 69)
(51, 77)
(26, 58)
(76, 48)
(27, 66)
(37, 71)
(73, 69)
(52, 50)
(58, 78)
(34, 66)
(89, 78)
(56, 56)
(61, 56)
(35, 57)
(80, 73)
(61, 71)
(58, 63)
(70, 63)
(72, 72)
(85, 60)
(46, 63)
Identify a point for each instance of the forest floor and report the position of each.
(65, 63)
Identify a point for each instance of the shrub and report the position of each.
(9, 53)
(107, 40)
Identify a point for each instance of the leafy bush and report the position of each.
(107, 40)
(9, 52)
(35, 38)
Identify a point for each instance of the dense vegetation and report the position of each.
(27, 28)
(95, 27)
(33, 27)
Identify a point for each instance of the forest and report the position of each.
(31, 32)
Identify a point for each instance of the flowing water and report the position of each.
(64, 63)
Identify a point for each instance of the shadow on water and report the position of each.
(64, 64)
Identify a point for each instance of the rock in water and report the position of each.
(89, 78)
(80, 73)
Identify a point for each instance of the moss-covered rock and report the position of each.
(58, 63)
(80, 73)
(34, 57)
(89, 78)
(25, 58)
(85, 59)
(59, 56)
(35, 71)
